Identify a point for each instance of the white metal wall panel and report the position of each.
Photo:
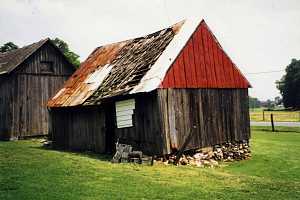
(124, 112)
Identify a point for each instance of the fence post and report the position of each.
(272, 122)
(263, 115)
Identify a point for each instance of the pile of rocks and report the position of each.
(231, 152)
(210, 156)
(46, 143)
(204, 157)
(125, 154)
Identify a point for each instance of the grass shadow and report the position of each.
(89, 154)
(278, 129)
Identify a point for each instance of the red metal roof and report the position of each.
(203, 63)
(185, 55)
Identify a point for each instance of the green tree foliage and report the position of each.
(254, 102)
(289, 85)
(270, 104)
(277, 101)
(8, 47)
(64, 47)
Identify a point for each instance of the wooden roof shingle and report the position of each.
(12, 59)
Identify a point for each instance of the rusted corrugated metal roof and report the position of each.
(77, 89)
(135, 65)
(124, 64)
(133, 61)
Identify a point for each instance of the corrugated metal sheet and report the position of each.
(124, 112)
(79, 87)
(203, 63)
(134, 60)
(185, 55)
(128, 62)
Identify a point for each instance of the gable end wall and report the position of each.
(203, 63)
(28, 90)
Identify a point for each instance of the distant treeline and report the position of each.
(289, 87)
(256, 103)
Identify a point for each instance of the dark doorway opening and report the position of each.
(110, 123)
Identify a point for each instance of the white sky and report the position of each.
(258, 35)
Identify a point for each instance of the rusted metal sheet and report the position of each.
(134, 60)
(78, 88)
(185, 55)
(128, 62)
(203, 63)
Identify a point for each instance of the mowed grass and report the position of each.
(28, 171)
(278, 116)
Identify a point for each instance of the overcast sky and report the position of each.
(258, 35)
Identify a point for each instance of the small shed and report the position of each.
(29, 76)
(151, 92)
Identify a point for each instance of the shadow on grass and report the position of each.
(278, 129)
(89, 154)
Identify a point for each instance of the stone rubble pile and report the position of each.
(204, 157)
(211, 156)
(125, 154)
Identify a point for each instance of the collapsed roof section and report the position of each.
(144, 64)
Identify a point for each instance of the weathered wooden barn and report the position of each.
(29, 76)
(150, 92)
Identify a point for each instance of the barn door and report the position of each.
(110, 128)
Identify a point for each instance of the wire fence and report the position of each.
(278, 116)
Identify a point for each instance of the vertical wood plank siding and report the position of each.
(5, 107)
(161, 121)
(78, 128)
(218, 115)
(146, 132)
(25, 92)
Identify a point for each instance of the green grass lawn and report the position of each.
(278, 116)
(28, 171)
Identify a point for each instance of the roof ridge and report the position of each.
(25, 46)
(9, 58)
(131, 66)
(176, 27)
(124, 74)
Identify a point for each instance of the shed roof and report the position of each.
(127, 67)
(11, 59)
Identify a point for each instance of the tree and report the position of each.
(254, 102)
(270, 104)
(9, 46)
(289, 85)
(64, 47)
(277, 101)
